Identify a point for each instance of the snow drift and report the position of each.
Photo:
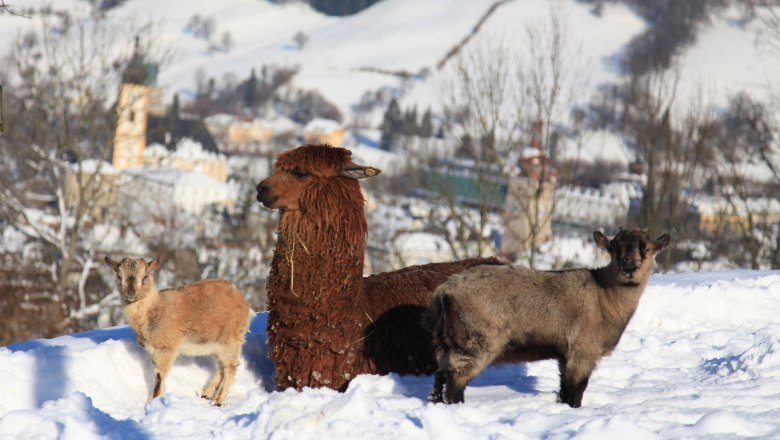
(701, 357)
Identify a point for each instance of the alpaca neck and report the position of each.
(319, 260)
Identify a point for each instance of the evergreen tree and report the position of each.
(391, 126)
(426, 126)
(409, 126)
(250, 90)
(175, 110)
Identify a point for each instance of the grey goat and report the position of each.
(498, 314)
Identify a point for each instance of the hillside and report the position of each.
(700, 358)
(342, 55)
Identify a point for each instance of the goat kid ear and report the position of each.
(154, 264)
(601, 240)
(661, 242)
(359, 172)
(111, 263)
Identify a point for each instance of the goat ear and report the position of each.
(359, 172)
(601, 240)
(661, 242)
(154, 264)
(111, 263)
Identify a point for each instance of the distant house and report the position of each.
(713, 214)
(323, 131)
(169, 131)
(95, 181)
(412, 248)
(581, 206)
(247, 136)
(156, 188)
(187, 155)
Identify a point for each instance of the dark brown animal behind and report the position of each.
(326, 323)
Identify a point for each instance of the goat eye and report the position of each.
(300, 174)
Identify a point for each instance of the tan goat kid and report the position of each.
(207, 318)
(497, 314)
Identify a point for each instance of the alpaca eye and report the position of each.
(300, 174)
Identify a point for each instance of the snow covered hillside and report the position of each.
(343, 55)
(701, 358)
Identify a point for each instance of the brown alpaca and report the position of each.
(326, 322)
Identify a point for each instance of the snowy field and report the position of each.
(700, 359)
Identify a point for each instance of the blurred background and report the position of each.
(512, 128)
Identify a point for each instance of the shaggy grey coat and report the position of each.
(495, 314)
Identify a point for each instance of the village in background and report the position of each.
(99, 159)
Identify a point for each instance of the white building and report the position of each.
(589, 206)
(191, 191)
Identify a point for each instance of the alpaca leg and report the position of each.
(162, 361)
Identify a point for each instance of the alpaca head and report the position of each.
(310, 176)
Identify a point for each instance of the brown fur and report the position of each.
(327, 323)
(496, 314)
(210, 317)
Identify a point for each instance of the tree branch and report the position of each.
(7, 8)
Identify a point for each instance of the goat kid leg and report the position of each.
(216, 379)
(162, 359)
(228, 364)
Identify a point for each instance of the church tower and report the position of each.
(133, 107)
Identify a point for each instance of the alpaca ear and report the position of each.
(359, 172)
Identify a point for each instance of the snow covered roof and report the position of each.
(174, 177)
(322, 126)
(188, 148)
(91, 166)
(156, 150)
(222, 119)
(717, 205)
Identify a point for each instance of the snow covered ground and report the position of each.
(701, 358)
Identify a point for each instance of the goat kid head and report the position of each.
(632, 253)
(133, 276)
(298, 169)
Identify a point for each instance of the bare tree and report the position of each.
(499, 102)
(553, 78)
(7, 8)
(671, 143)
(767, 12)
(743, 134)
(476, 97)
(59, 129)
